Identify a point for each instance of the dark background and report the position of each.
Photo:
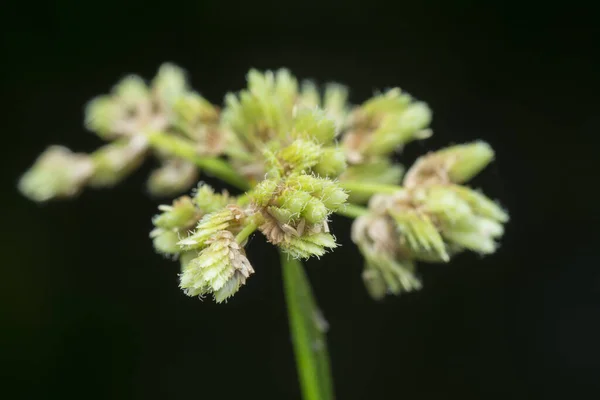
(89, 311)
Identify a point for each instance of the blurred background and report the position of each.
(89, 310)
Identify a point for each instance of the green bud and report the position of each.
(304, 195)
(221, 269)
(295, 201)
(114, 161)
(57, 173)
(310, 245)
(173, 177)
(332, 162)
(282, 215)
(313, 124)
(315, 211)
(332, 196)
(263, 193)
(305, 182)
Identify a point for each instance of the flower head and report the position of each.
(295, 212)
(275, 131)
(383, 124)
(57, 173)
(126, 111)
(431, 219)
(220, 269)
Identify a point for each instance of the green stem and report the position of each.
(369, 188)
(247, 231)
(352, 211)
(185, 149)
(308, 332)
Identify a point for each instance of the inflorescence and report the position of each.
(299, 154)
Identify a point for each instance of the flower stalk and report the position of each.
(308, 330)
(352, 211)
(183, 148)
(368, 188)
(246, 232)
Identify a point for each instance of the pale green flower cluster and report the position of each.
(299, 154)
(295, 212)
(431, 219)
(376, 130)
(221, 269)
(201, 230)
(220, 266)
(125, 117)
(270, 116)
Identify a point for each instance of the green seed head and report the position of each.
(219, 269)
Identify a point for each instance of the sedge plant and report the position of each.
(298, 153)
